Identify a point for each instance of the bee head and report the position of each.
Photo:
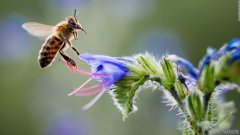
(73, 22)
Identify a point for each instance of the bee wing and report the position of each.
(38, 29)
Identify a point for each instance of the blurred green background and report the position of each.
(34, 101)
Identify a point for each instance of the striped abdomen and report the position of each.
(49, 50)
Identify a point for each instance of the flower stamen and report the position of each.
(89, 88)
(79, 71)
(77, 90)
(94, 100)
(86, 94)
(75, 69)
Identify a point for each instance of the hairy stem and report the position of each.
(206, 101)
(197, 130)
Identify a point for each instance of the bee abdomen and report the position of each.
(48, 51)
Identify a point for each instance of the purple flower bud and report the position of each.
(211, 54)
(224, 88)
(235, 56)
(232, 45)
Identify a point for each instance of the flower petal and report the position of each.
(235, 56)
(232, 45)
(207, 58)
(113, 67)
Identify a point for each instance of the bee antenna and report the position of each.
(75, 12)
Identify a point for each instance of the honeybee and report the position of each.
(58, 38)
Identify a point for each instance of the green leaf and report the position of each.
(124, 97)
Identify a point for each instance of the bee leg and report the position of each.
(70, 44)
(75, 50)
(75, 34)
(65, 57)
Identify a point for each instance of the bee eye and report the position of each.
(72, 23)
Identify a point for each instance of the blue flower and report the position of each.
(212, 54)
(104, 69)
(185, 65)
(230, 46)
(110, 69)
(234, 48)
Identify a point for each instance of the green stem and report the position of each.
(206, 101)
(197, 130)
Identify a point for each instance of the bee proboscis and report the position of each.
(57, 38)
